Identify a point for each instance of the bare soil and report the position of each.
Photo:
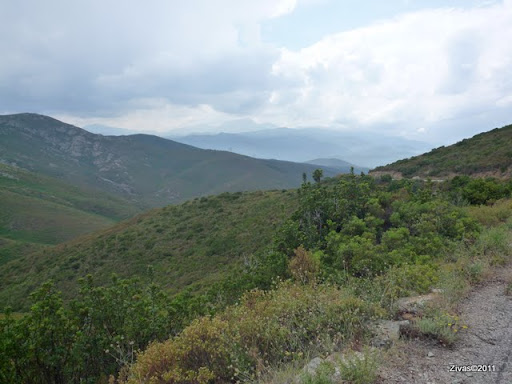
(486, 343)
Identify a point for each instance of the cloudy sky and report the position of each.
(426, 69)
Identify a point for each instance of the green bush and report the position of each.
(239, 343)
(359, 368)
(323, 375)
(441, 326)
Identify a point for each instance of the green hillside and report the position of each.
(485, 154)
(145, 169)
(36, 210)
(352, 247)
(194, 243)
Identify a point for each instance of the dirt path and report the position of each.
(487, 342)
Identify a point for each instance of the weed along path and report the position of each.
(482, 353)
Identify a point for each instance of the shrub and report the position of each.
(409, 279)
(275, 326)
(357, 368)
(492, 215)
(493, 245)
(200, 354)
(323, 375)
(440, 326)
(304, 267)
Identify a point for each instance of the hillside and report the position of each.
(350, 261)
(193, 243)
(37, 210)
(485, 154)
(147, 170)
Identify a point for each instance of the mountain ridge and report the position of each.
(483, 155)
(148, 170)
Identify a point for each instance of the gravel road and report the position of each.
(486, 343)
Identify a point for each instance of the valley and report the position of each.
(283, 274)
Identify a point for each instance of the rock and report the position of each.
(387, 331)
(312, 366)
(430, 354)
(416, 303)
(337, 357)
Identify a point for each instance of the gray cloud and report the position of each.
(176, 63)
(93, 57)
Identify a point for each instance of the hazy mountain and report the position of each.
(301, 145)
(146, 169)
(233, 126)
(485, 154)
(340, 165)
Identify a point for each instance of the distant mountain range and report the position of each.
(342, 166)
(267, 141)
(485, 154)
(147, 170)
(363, 149)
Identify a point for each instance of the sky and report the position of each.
(430, 70)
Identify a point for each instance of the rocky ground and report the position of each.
(486, 343)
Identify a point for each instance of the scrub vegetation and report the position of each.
(485, 154)
(351, 247)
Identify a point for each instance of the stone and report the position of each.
(387, 332)
(416, 303)
(312, 366)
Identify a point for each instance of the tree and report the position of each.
(317, 175)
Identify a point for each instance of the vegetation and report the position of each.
(188, 245)
(443, 327)
(352, 246)
(36, 210)
(485, 154)
(97, 334)
(359, 369)
(417, 230)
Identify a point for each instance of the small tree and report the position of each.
(317, 175)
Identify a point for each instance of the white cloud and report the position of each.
(170, 63)
(155, 116)
(419, 68)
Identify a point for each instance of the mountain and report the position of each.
(37, 211)
(362, 148)
(147, 170)
(191, 244)
(485, 154)
(340, 165)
